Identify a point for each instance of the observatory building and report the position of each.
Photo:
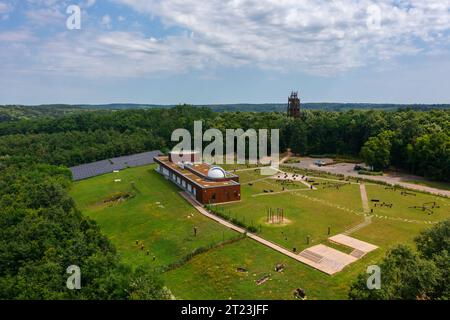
(206, 183)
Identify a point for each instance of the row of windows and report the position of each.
(181, 182)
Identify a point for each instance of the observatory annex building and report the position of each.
(207, 184)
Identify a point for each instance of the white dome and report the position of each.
(216, 173)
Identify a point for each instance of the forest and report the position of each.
(43, 232)
(415, 141)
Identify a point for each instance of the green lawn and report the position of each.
(402, 204)
(157, 216)
(309, 213)
(214, 275)
(164, 222)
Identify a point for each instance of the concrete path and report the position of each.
(252, 236)
(327, 259)
(365, 201)
(285, 159)
(366, 222)
(353, 243)
(366, 209)
(205, 212)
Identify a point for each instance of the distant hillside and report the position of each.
(19, 112)
(280, 107)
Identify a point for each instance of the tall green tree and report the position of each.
(410, 274)
(43, 233)
(376, 152)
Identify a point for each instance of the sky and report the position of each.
(224, 51)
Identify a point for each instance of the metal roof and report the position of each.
(97, 168)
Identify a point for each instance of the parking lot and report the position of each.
(347, 169)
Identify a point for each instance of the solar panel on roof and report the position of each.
(107, 166)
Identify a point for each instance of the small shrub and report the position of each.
(370, 173)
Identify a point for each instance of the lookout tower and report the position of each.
(293, 109)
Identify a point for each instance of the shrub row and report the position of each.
(370, 173)
(234, 220)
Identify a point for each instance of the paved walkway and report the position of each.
(366, 222)
(253, 236)
(327, 259)
(365, 201)
(353, 243)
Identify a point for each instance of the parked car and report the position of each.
(319, 163)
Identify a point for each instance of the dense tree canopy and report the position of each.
(376, 152)
(409, 274)
(418, 141)
(43, 233)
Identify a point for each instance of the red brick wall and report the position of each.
(222, 194)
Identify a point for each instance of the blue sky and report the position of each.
(225, 51)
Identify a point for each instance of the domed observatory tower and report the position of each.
(207, 184)
(216, 173)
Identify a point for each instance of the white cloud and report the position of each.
(45, 16)
(16, 36)
(4, 7)
(317, 36)
(89, 3)
(5, 10)
(106, 21)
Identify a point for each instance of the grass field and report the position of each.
(214, 275)
(305, 216)
(155, 214)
